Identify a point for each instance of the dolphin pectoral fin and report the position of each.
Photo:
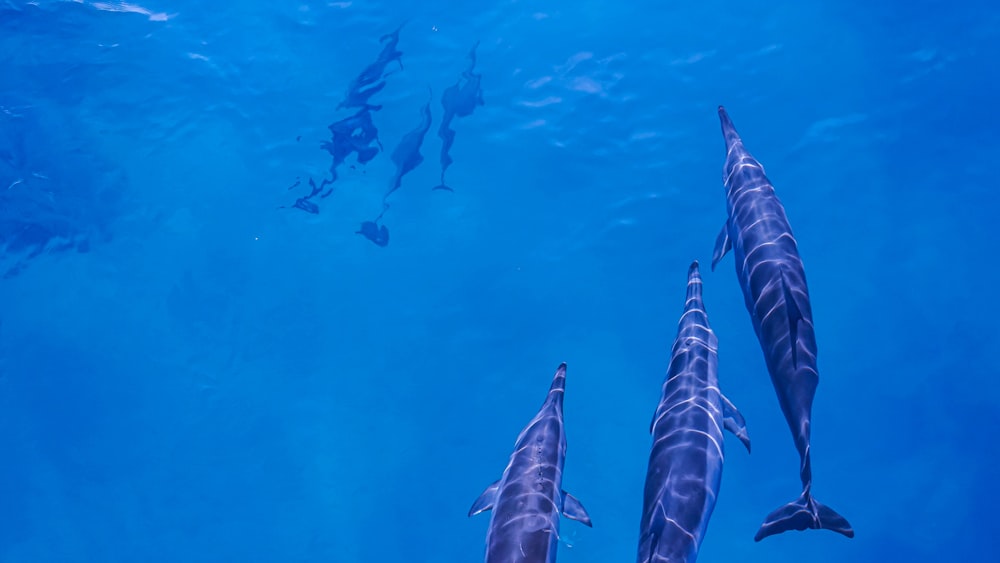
(574, 510)
(734, 421)
(722, 245)
(794, 313)
(485, 500)
(804, 513)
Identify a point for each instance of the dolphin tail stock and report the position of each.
(804, 513)
(442, 186)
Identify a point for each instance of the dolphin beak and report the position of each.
(728, 129)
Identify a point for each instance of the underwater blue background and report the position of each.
(189, 373)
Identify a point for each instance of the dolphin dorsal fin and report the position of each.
(574, 510)
(794, 313)
(722, 244)
(734, 422)
(485, 500)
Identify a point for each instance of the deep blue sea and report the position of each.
(193, 369)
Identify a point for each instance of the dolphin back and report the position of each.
(772, 278)
(685, 462)
(527, 500)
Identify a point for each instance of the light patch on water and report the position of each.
(132, 9)
(762, 52)
(586, 84)
(643, 135)
(571, 62)
(924, 55)
(827, 130)
(541, 103)
(695, 58)
(538, 82)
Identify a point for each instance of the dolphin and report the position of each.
(774, 289)
(685, 462)
(406, 155)
(370, 81)
(374, 232)
(371, 230)
(352, 135)
(459, 100)
(527, 500)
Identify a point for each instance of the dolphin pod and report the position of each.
(684, 471)
(357, 135)
(528, 499)
(773, 280)
(685, 462)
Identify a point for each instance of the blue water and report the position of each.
(190, 372)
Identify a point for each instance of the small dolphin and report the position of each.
(458, 100)
(407, 155)
(354, 134)
(527, 500)
(774, 289)
(685, 462)
(374, 232)
(370, 81)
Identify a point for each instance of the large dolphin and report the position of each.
(685, 463)
(774, 288)
(527, 500)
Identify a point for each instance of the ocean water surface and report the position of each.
(202, 360)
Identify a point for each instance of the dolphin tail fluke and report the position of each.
(442, 187)
(804, 513)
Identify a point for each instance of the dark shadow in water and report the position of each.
(56, 195)
(458, 100)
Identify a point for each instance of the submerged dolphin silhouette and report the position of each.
(374, 232)
(774, 289)
(406, 155)
(353, 134)
(356, 133)
(370, 81)
(685, 462)
(527, 500)
(458, 100)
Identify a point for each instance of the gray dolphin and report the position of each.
(527, 500)
(774, 289)
(458, 100)
(685, 462)
(406, 156)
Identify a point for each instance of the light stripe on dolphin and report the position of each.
(685, 461)
(773, 280)
(527, 500)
